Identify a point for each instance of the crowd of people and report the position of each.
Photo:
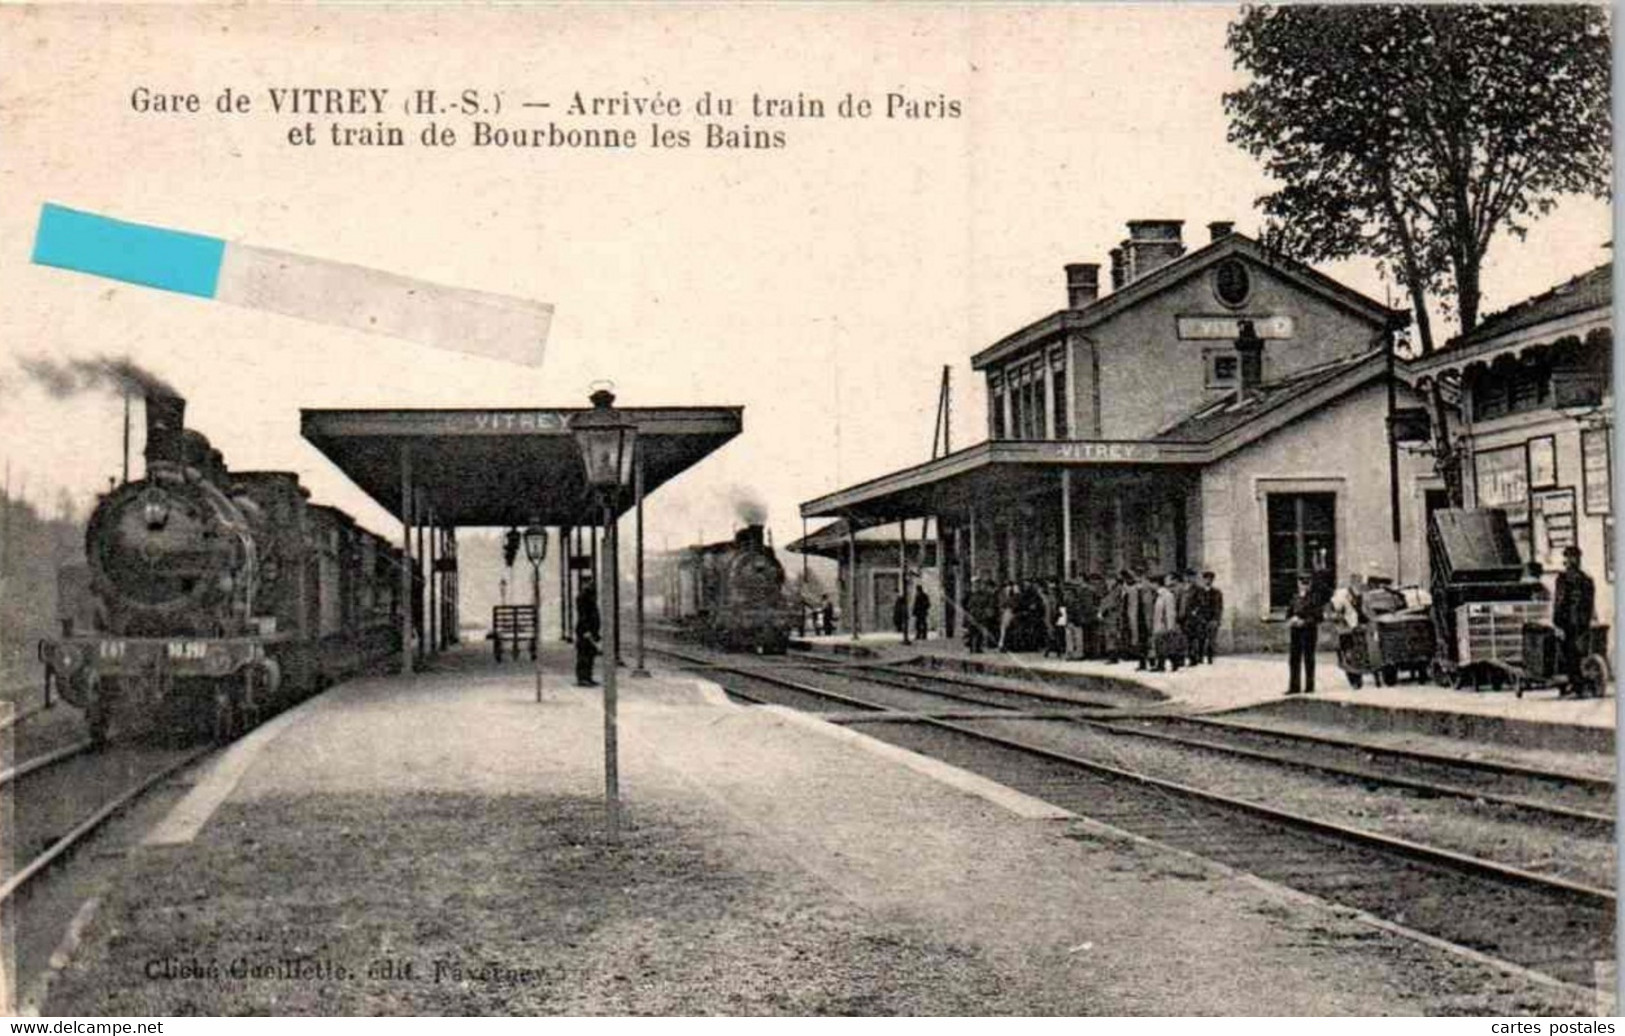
(1156, 622)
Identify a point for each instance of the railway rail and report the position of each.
(1571, 799)
(1549, 925)
(90, 824)
(41, 762)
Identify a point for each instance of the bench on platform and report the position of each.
(515, 625)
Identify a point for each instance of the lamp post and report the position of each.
(608, 445)
(536, 552)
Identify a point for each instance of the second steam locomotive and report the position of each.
(731, 594)
(210, 597)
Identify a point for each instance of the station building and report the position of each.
(1530, 400)
(1128, 431)
(869, 563)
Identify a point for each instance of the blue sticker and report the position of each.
(169, 259)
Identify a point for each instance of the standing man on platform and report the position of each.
(1573, 605)
(1303, 625)
(588, 629)
(922, 612)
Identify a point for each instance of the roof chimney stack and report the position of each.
(1250, 348)
(1220, 229)
(1151, 243)
(1082, 284)
(1118, 274)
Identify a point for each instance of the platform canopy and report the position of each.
(480, 467)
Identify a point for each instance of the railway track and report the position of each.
(1572, 800)
(1556, 927)
(65, 844)
(41, 762)
(20, 714)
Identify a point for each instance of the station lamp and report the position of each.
(608, 444)
(536, 544)
(535, 539)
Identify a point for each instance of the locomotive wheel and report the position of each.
(251, 704)
(225, 714)
(97, 713)
(1390, 675)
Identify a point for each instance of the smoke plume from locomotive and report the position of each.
(116, 375)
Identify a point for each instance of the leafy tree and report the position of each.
(1413, 134)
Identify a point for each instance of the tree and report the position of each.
(1414, 134)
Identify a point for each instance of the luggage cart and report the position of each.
(1385, 647)
(1480, 598)
(1542, 662)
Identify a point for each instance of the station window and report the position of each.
(1501, 392)
(995, 392)
(1057, 366)
(1302, 538)
(1222, 366)
(1028, 405)
(1231, 284)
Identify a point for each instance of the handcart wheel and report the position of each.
(1593, 676)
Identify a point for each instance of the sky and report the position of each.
(821, 285)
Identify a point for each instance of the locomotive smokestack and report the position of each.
(751, 535)
(166, 418)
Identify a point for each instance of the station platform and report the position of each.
(1251, 682)
(435, 844)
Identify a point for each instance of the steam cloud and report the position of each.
(748, 506)
(112, 374)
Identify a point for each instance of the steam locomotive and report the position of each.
(731, 594)
(210, 597)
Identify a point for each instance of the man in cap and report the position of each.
(588, 627)
(1573, 606)
(1303, 629)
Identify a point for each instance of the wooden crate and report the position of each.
(1492, 631)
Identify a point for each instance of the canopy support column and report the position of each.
(567, 550)
(406, 558)
(1068, 570)
(852, 578)
(639, 669)
(902, 573)
(432, 589)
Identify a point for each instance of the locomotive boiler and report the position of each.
(210, 596)
(731, 594)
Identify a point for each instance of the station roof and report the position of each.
(830, 541)
(504, 467)
(1002, 470)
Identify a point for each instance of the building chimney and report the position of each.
(1250, 348)
(1082, 284)
(1119, 275)
(166, 417)
(1151, 243)
(1220, 229)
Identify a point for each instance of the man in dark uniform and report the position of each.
(1303, 623)
(587, 632)
(1573, 605)
(922, 612)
